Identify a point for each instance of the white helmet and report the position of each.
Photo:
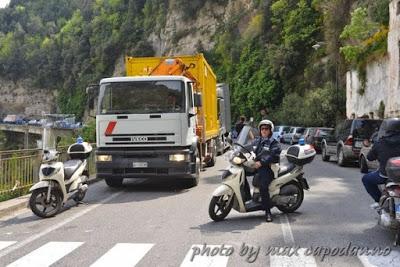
(266, 122)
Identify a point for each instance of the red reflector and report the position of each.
(110, 128)
(395, 162)
(349, 141)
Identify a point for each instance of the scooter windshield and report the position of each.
(247, 135)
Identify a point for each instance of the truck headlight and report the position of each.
(103, 158)
(177, 157)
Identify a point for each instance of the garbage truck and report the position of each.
(158, 121)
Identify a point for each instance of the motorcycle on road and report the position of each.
(286, 190)
(60, 181)
(389, 203)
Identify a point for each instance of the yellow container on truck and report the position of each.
(200, 70)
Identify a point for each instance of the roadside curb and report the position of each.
(9, 207)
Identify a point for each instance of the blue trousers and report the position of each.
(371, 181)
(266, 177)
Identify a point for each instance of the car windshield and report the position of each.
(324, 132)
(365, 128)
(141, 97)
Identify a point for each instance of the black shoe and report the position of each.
(268, 217)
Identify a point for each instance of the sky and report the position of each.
(3, 3)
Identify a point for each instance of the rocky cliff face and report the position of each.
(21, 98)
(178, 36)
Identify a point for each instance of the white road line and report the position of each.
(123, 254)
(4, 244)
(46, 254)
(192, 260)
(54, 227)
(287, 231)
(299, 261)
(391, 260)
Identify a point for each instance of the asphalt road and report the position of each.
(162, 224)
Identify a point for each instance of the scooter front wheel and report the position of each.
(220, 206)
(43, 208)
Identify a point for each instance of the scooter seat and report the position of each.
(70, 167)
(286, 168)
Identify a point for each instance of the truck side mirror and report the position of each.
(197, 100)
(92, 91)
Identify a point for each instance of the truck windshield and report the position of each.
(141, 97)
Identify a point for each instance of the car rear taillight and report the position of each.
(349, 141)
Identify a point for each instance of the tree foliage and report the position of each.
(265, 53)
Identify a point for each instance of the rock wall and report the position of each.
(184, 37)
(382, 77)
(21, 99)
(376, 89)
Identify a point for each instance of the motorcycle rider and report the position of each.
(263, 162)
(386, 147)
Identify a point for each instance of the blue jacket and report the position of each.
(383, 150)
(274, 150)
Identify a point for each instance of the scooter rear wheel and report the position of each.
(219, 207)
(40, 207)
(291, 189)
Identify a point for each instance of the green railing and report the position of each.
(19, 170)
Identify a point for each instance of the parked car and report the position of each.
(365, 164)
(294, 135)
(345, 143)
(310, 131)
(315, 138)
(279, 131)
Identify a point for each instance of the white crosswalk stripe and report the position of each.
(391, 260)
(288, 261)
(4, 244)
(195, 258)
(123, 254)
(46, 254)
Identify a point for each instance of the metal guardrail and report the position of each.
(19, 169)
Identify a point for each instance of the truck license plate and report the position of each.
(139, 164)
(397, 208)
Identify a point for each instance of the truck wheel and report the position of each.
(325, 157)
(213, 159)
(221, 145)
(114, 182)
(194, 181)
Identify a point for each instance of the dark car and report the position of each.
(346, 141)
(316, 136)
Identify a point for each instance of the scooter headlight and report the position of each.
(238, 160)
(48, 171)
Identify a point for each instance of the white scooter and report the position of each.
(286, 190)
(60, 181)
